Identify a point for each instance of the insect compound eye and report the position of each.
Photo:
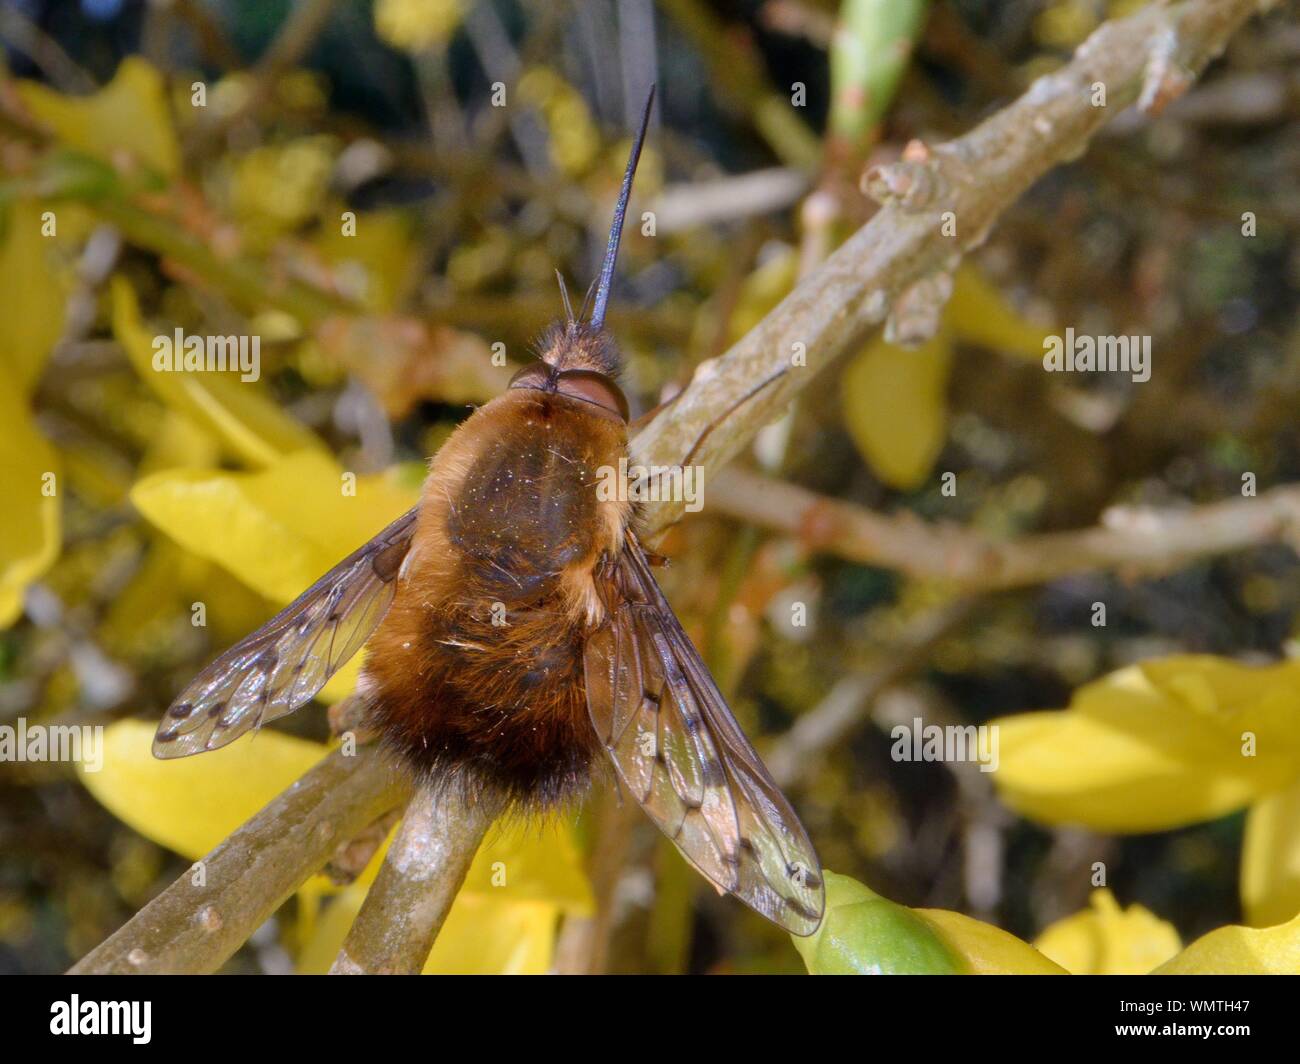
(536, 375)
(593, 387)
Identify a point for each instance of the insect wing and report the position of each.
(676, 746)
(285, 662)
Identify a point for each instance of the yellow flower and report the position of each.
(1108, 940)
(191, 804)
(1168, 743)
(126, 121)
(1155, 746)
(277, 529)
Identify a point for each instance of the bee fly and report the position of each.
(590, 662)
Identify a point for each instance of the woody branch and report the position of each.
(420, 877)
(196, 924)
(898, 266)
(1134, 540)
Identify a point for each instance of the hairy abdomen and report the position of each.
(476, 675)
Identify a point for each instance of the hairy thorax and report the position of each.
(476, 674)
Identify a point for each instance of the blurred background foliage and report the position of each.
(334, 178)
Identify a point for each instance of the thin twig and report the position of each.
(24, 35)
(213, 42)
(727, 199)
(198, 922)
(1133, 540)
(500, 62)
(422, 872)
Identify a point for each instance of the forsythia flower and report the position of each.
(1169, 743)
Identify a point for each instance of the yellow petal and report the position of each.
(129, 115)
(30, 484)
(503, 920)
(1155, 746)
(763, 290)
(987, 950)
(36, 275)
(1241, 951)
(277, 530)
(326, 930)
(522, 860)
(179, 442)
(1108, 940)
(190, 805)
(1270, 859)
(979, 313)
(487, 937)
(895, 404)
(373, 265)
(250, 425)
(895, 408)
(481, 936)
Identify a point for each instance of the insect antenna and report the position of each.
(586, 301)
(564, 294)
(616, 230)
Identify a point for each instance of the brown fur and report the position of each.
(573, 345)
(509, 516)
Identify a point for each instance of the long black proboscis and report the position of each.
(616, 230)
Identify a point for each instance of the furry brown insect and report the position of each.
(516, 631)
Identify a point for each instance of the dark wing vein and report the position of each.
(678, 749)
(284, 663)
